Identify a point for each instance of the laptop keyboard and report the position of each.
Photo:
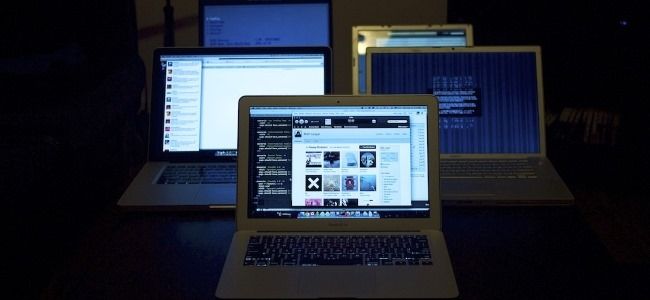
(198, 174)
(337, 250)
(486, 168)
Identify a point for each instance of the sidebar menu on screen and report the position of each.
(182, 105)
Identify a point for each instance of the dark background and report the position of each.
(594, 56)
(71, 80)
(71, 84)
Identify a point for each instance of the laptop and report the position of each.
(323, 177)
(492, 131)
(263, 23)
(193, 125)
(433, 35)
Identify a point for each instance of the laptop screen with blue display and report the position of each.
(489, 99)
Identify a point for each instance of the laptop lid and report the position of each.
(195, 94)
(491, 97)
(433, 35)
(338, 163)
(263, 23)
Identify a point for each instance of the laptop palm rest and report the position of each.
(336, 282)
(523, 192)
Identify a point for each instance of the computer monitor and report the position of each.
(264, 23)
(438, 35)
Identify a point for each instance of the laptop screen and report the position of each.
(488, 101)
(343, 162)
(447, 35)
(201, 92)
(260, 23)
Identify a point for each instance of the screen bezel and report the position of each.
(244, 222)
(205, 3)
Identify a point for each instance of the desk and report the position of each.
(497, 253)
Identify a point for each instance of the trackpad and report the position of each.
(324, 282)
(216, 194)
(451, 188)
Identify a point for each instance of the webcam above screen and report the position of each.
(265, 23)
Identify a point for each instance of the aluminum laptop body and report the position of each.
(492, 131)
(430, 35)
(192, 147)
(288, 148)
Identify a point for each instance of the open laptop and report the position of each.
(320, 179)
(193, 127)
(260, 23)
(432, 35)
(492, 132)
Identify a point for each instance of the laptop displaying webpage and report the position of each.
(488, 101)
(202, 93)
(250, 23)
(405, 38)
(343, 162)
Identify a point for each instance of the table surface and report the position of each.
(496, 252)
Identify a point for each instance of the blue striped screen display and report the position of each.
(488, 100)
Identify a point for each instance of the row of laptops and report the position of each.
(492, 135)
(316, 180)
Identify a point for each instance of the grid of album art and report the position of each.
(348, 172)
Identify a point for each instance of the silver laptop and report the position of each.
(432, 35)
(321, 179)
(492, 131)
(193, 125)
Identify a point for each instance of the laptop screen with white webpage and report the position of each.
(336, 168)
(491, 107)
(194, 117)
(430, 35)
(202, 87)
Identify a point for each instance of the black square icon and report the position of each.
(313, 183)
